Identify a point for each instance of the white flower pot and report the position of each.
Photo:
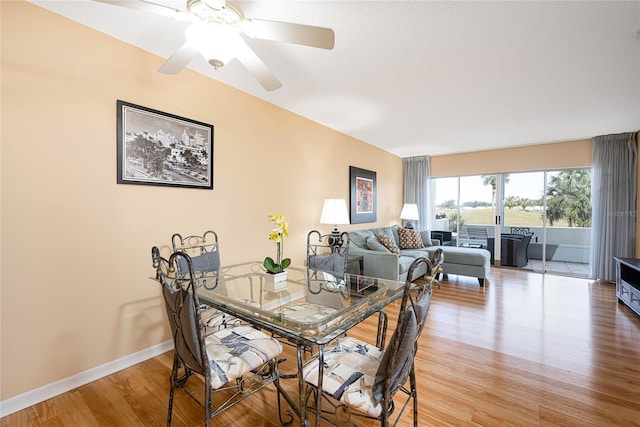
(277, 277)
(276, 282)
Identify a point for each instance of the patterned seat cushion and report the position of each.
(237, 350)
(212, 319)
(350, 369)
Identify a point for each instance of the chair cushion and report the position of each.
(307, 312)
(350, 367)
(212, 319)
(208, 261)
(410, 239)
(237, 350)
(388, 243)
(334, 263)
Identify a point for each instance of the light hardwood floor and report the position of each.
(525, 350)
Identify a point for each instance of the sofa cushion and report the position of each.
(404, 263)
(388, 243)
(466, 256)
(409, 239)
(418, 253)
(359, 237)
(383, 230)
(375, 245)
(426, 238)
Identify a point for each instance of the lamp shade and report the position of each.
(334, 212)
(216, 42)
(410, 212)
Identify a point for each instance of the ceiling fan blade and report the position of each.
(256, 67)
(145, 6)
(306, 35)
(179, 60)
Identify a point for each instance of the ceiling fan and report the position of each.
(215, 33)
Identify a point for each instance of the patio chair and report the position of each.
(521, 230)
(238, 360)
(513, 249)
(478, 233)
(360, 379)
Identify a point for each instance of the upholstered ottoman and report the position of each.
(466, 262)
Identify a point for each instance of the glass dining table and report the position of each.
(309, 309)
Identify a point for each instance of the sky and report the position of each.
(527, 184)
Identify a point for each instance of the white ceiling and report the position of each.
(430, 78)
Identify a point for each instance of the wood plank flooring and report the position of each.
(525, 350)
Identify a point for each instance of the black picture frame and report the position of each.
(157, 148)
(363, 201)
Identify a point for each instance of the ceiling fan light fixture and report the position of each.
(217, 43)
(214, 4)
(214, 11)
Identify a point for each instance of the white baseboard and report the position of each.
(24, 400)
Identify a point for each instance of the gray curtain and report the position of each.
(613, 193)
(416, 187)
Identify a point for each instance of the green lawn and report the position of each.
(511, 217)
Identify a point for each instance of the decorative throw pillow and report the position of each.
(375, 245)
(388, 243)
(410, 238)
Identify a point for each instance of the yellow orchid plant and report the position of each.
(280, 231)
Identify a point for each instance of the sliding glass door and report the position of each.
(524, 215)
(568, 222)
(477, 211)
(554, 208)
(539, 221)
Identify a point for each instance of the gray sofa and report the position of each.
(380, 262)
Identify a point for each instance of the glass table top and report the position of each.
(311, 305)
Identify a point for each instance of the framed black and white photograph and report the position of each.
(156, 148)
(363, 195)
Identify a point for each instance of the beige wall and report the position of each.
(76, 245)
(571, 154)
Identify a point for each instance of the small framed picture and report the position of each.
(156, 148)
(363, 195)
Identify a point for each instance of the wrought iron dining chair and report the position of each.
(238, 360)
(204, 252)
(360, 379)
(326, 277)
(327, 253)
(437, 261)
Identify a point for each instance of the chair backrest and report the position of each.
(477, 233)
(327, 253)
(204, 251)
(397, 361)
(520, 230)
(182, 305)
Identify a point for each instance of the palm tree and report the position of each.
(569, 196)
(511, 202)
(491, 180)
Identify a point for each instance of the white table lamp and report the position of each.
(334, 212)
(409, 213)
